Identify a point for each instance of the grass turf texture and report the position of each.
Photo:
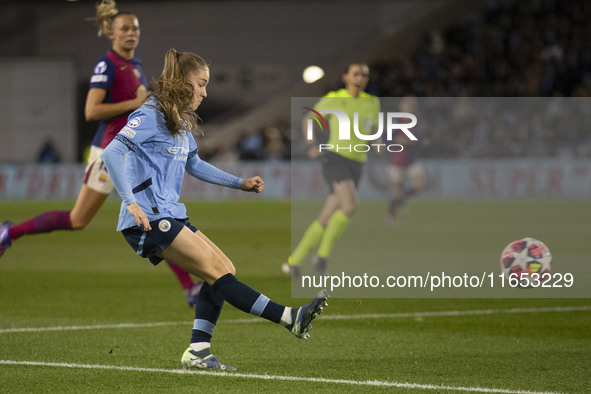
(92, 277)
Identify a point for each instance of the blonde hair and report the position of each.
(174, 91)
(106, 12)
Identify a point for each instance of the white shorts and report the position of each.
(96, 176)
(397, 174)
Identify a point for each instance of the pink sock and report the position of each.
(410, 192)
(395, 203)
(44, 223)
(182, 276)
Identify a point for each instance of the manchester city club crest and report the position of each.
(164, 225)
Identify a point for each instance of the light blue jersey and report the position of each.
(154, 166)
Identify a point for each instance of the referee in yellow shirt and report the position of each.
(342, 165)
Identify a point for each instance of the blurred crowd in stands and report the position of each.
(529, 48)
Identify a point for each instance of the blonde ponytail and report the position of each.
(106, 12)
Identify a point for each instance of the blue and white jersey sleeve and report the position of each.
(113, 158)
(139, 128)
(103, 74)
(206, 172)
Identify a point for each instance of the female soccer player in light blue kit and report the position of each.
(158, 146)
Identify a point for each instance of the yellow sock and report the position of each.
(311, 237)
(337, 224)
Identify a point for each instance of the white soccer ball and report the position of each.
(526, 263)
(286, 268)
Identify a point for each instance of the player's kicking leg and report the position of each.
(198, 355)
(195, 253)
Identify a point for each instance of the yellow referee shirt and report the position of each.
(366, 105)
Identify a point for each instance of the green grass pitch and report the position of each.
(92, 278)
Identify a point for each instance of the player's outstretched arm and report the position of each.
(254, 184)
(206, 172)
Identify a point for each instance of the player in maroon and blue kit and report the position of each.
(117, 87)
(404, 165)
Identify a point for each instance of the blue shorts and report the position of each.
(148, 243)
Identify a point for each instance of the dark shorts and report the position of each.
(148, 243)
(336, 168)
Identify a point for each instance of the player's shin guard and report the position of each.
(310, 240)
(337, 224)
(207, 311)
(247, 299)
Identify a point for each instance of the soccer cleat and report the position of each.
(193, 293)
(5, 240)
(202, 360)
(320, 264)
(307, 313)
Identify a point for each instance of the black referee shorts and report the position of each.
(336, 168)
(149, 243)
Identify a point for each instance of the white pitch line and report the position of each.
(434, 314)
(93, 327)
(459, 313)
(324, 317)
(375, 383)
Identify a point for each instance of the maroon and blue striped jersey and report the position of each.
(123, 80)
